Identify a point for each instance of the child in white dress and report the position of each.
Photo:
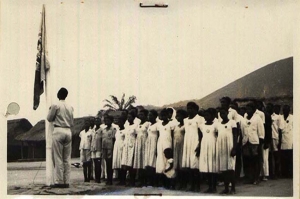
(118, 150)
(139, 152)
(208, 154)
(150, 148)
(226, 150)
(164, 141)
(128, 148)
(178, 139)
(190, 162)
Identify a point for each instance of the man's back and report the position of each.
(61, 114)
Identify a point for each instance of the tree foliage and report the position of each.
(118, 105)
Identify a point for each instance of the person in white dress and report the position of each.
(172, 115)
(190, 162)
(164, 141)
(128, 148)
(226, 150)
(134, 112)
(139, 152)
(151, 146)
(208, 153)
(178, 139)
(287, 143)
(118, 150)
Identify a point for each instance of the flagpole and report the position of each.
(48, 130)
(48, 125)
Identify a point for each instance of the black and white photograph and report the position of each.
(149, 98)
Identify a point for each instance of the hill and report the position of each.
(272, 82)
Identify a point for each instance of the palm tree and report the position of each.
(115, 104)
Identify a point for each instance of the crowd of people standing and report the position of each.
(184, 148)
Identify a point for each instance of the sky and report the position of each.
(160, 55)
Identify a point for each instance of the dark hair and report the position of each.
(109, 117)
(286, 107)
(132, 114)
(277, 106)
(153, 112)
(62, 93)
(170, 110)
(168, 153)
(210, 111)
(181, 112)
(251, 105)
(193, 105)
(163, 112)
(227, 99)
(144, 111)
(223, 109)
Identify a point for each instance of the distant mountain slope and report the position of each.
(273, 80)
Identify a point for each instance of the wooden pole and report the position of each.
(48, 126)
(48, 130)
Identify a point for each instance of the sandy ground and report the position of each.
(28, 178)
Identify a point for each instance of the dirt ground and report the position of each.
(28, 178)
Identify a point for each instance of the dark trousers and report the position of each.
(287, 163)
(109, 170)
(238, 163)
(87, 171)
(251, 167)
(97, 163)
(274, 160)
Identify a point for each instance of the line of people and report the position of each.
(179, 149)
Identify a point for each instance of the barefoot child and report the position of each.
(164, 141)
(226, 150)
(190, 162)
(150, 147)
(178, 138)
(139, 152)
(118, 150)
(128, 148)
(208, 155)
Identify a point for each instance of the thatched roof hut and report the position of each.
(35, 139)
(16, 128)
(37, 132)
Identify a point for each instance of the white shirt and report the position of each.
(276, 125)
(252, 130)
(232, 115)
(259, 113)
(287, 133)
(61, 114)
(86, 139)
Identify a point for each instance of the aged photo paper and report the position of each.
(165, 55)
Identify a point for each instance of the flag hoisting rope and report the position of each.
(42, 76)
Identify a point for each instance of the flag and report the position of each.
(42, 64)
